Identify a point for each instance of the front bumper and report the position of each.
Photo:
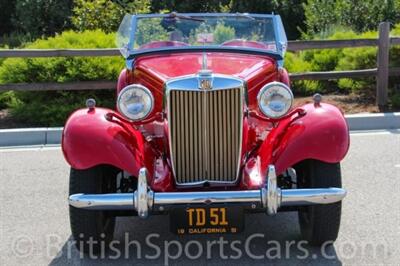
(270, 198)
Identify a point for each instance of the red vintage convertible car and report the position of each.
(204, 130)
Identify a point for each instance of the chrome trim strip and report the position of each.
(190, 83)
(141, 197)
(273, 192)
(304, 196)
(207, 197)
(269, 198)
(255, 15)
(125, 201)
(199, 49)
(111, 201)
(204, 62)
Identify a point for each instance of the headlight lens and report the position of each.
(275, 99)
(135, 102)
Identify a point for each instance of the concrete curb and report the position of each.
(374, 121)
(30, 136)
(52, 135)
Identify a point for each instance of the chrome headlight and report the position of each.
(135, 102)
(275, 99)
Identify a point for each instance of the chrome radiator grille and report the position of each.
(205, 134)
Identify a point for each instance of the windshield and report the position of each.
(138, 33)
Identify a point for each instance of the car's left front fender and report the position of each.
(321, 134)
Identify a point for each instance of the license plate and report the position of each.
(207, 220)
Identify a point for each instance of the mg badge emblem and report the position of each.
(205, 83)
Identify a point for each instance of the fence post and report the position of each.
(382, 78)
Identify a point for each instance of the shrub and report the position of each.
(14, 39)
(51, 108)
(341, 59)
(223, 33)
(295, 63)
(394, 81)
(319, 60)
(395, 100)
(7, 99)
(358, 58)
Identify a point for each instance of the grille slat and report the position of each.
(201, 137)
(211, 141)
(225, 134)
(220, 163)
(190, 137)
(205, 134)
(195, 142)
(237, 124)
(183, 147)
(229, 133)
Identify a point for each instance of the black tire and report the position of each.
(92, 230)
(319, 224)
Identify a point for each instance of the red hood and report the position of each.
(164, 67)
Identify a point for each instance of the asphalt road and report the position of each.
(35, 225)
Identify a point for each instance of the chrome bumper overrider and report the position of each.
(144, 200)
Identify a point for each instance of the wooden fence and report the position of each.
(381, 72)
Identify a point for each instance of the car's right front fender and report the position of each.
(90, 139)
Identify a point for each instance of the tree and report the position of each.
(7, 9)
(105, 14)
(364, 15)
(42, 17)
(358, 15)
(320, 15)
(291, 10)
(185, 6)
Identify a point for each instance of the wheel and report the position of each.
(319, 223)
(92, 229)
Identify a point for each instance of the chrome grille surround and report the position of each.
(197, 172)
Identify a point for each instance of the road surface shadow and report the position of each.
(266, 240)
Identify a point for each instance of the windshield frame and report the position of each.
(277, 24)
